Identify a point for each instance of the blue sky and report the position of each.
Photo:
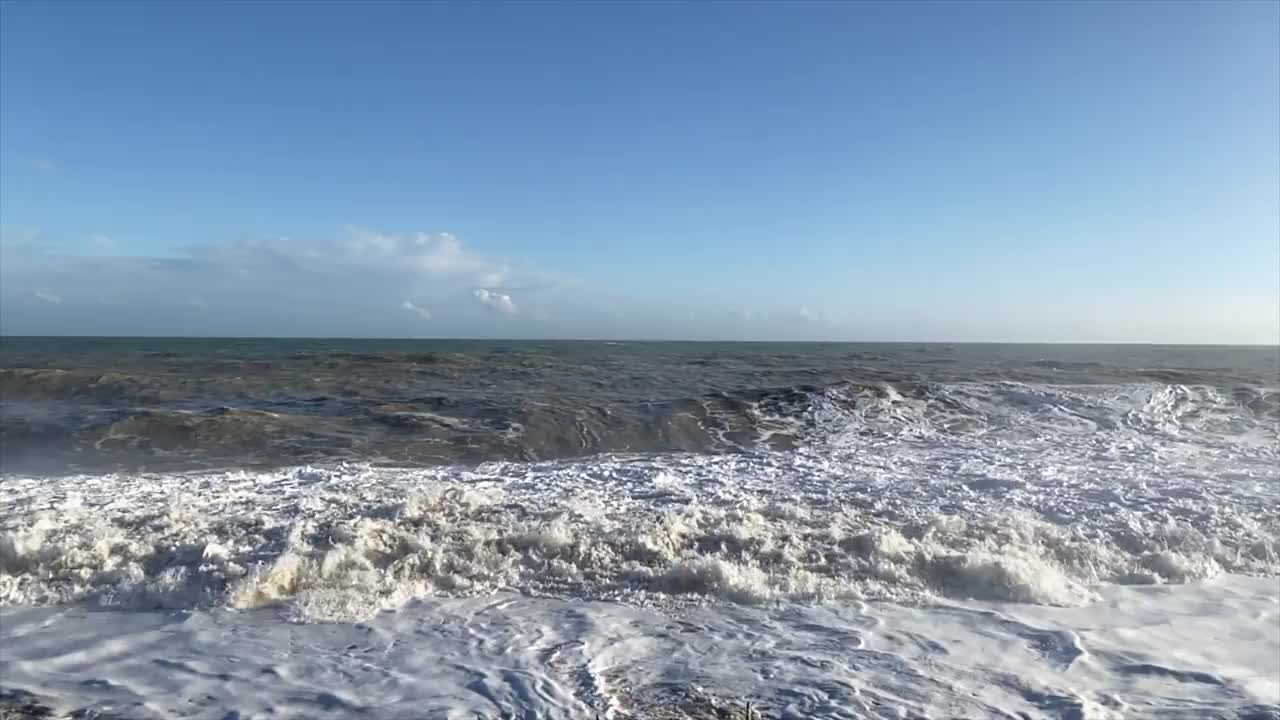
(847, 171)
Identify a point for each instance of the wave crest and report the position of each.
(336, 546)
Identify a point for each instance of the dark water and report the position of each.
(70, 404)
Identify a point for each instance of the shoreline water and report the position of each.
(841, 533)
(1208, 650)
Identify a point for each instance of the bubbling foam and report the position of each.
(342, 544)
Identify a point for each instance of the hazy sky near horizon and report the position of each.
(845, 171)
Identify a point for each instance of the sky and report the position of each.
(1003, 172)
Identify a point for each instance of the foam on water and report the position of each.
(1038, 500)
(960, 550)
(1206, 652)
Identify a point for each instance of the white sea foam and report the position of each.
(1189, 653)
(962, 531)
(824, 525)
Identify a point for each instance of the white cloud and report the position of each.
(416, 263)
(358, 282)
(496, 300)
(431, 254)
(421, 312)
(808, 315)
(102, 242)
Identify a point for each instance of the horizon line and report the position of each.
(1129, 343)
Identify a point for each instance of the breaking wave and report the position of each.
(343, 543)
(908, 491)
(469, 429)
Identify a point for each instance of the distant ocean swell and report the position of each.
(98, 421)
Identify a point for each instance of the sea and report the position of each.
(252, 528)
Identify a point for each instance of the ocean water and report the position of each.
(245, 528)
